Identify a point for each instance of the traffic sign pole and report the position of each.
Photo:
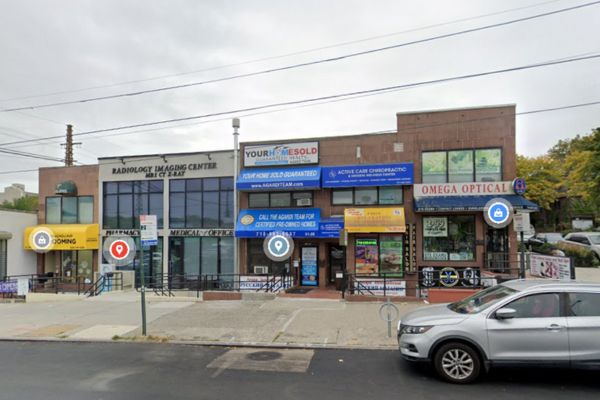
(143, 290)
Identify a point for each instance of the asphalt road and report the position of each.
(52, 370)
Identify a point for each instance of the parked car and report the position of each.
(590, 240)
(540, 239)
(519, 322)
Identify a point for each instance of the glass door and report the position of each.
(337, 261)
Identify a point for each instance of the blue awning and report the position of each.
(280, 179)
(469, 203)
(257, 223)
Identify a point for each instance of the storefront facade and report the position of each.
(397, 205)
(192, 196)
(14, 260)
(66, 237)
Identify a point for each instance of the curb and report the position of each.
(258, 345)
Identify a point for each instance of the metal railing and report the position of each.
(373, 285)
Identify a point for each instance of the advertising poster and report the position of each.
(309, 266)
(281, 154)
(367, 256)
(434, 166)
(380, 287)
(435, 227)
(368, 220)
(488, 161)
(550, 267)
(392, 255)
(460, 166)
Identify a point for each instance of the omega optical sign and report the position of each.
(278, 246)
(498, 213)
(119, 250)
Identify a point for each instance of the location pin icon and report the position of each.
(119, 248)
(278, 245)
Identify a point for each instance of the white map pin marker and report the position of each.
(119, 248)
(278, 245)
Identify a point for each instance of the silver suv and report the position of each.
(520, 322)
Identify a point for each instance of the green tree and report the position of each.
(543, 177)
(27, 203)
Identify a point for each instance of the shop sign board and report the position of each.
(375, 220)
(368, 175)
(435, 227)
(498, 213)
(463, 189)
(367, 256)
(44, 238)
(381, 287)
(279, 179)
(330, 228)
(521, 222)
(8, 286)
(148, 230)
(309, 266)
(262, 222)
(550, 267)
(281, 154)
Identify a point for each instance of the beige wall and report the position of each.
(20, 261)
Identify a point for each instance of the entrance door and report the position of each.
(309, 274)
(337, 261)
(497, 250)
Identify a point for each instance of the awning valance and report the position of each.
(469, 203)
(279, 179)
(62, 237)
(375, 220)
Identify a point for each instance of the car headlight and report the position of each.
(415, 330)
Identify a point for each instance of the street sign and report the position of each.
(521, 222)
(119, 250)
(498, 213)
(148, 231)
(278, 246)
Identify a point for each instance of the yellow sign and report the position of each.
(375, 220)
(44, 238)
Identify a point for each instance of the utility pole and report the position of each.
(68, 145)
(235, 123)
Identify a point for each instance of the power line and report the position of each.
(305, 64)
(29, 155)
(322, 98)
(300, 52)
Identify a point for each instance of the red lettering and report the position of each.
(472, 188)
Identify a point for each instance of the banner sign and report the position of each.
(148, 232)
(309, 266)
(462, 189)
(550, 267)
(281, 154)
(288, 178)
(295, 222)
(435, 227)
(380, 287)
(8, 286)
(256, 283)
(368, 175)
(375, 220)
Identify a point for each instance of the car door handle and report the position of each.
(554, 327)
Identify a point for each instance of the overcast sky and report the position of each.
(74, 46)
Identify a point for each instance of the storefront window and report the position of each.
(280, 199)
(124, 202)
(391, 255)
(226, 254)
(365, 196)
(257, 258)
(302, 199)
(481, 165)
(201, 255)
(69, 210)
(449, 238)
(390, 195)
(366, 256)
(460, 166)
(488, 165)
(201, 203)
(258, 200)
(153, 261)
(434, 167)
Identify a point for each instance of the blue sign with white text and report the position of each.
(330, 228)
(279, 179)
(368, 175)
(295, 222)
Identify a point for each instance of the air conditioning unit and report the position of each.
(304, 202)
(261, 269)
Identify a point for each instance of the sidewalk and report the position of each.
(280, 322)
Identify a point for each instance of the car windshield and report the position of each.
(595, 239)
(481, 300)
(553, 237)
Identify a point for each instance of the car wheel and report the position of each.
(457, 363)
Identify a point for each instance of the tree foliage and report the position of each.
(543, 177)
(27, 203)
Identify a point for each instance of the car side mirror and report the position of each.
(506, 313)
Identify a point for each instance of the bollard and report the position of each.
(389, 313)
